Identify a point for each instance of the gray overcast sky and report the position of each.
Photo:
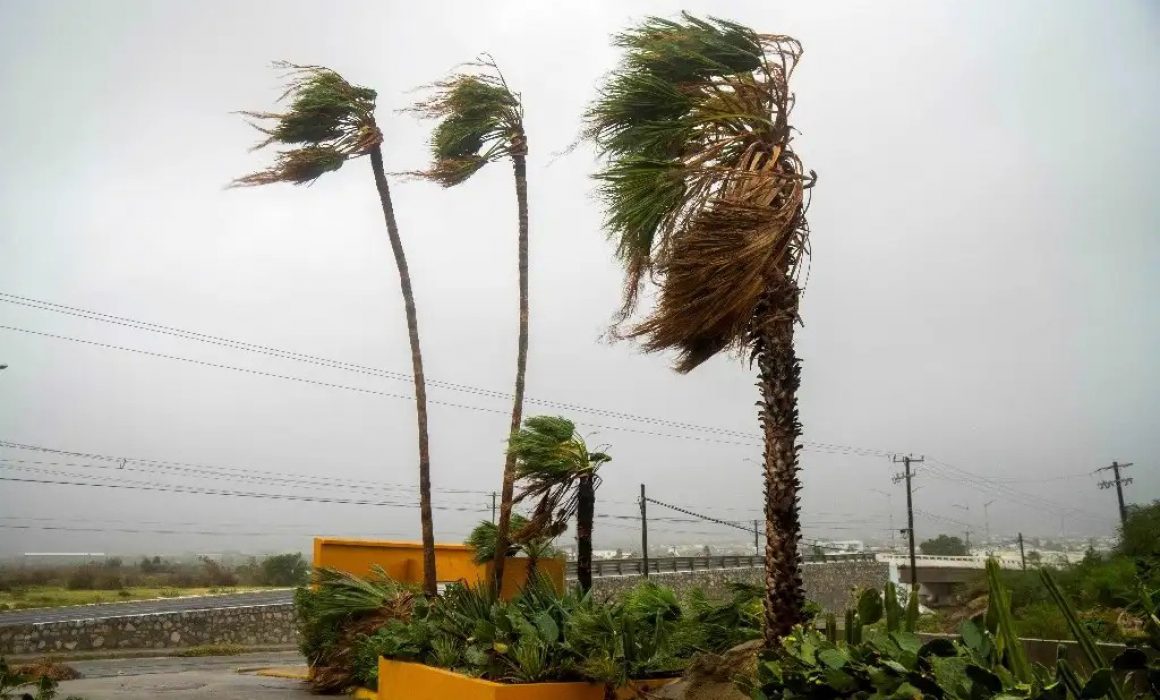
(984, 284)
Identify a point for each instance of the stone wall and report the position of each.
(827, 584)
(248, 625)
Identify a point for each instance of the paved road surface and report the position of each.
(142, 607)
(213, 677)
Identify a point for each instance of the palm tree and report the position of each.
(329, 121)
(705, 196)
(481, 121)
(554, 465)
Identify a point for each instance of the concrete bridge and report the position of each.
(675, 565)
(939, 576)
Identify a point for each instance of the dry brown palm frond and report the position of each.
(704, 193)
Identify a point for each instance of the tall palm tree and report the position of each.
(480, 121)
(327, 122)
(554, 465)
(706, 197)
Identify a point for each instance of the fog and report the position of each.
(983, 288)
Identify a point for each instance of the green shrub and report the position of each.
(1041, 621)
(284, 570)
(346, 624)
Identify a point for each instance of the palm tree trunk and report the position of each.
(503, 534)
(779, 372)
(585, 515)
(417, 369)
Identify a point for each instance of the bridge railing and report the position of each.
(952, 562)
(659, 565)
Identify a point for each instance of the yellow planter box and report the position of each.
(403, 561)
(400, 680)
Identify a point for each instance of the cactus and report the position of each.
(912, 612)
(1083, 638)
(1002, 625)
(893, 610)
(831, 628)
(853, 628)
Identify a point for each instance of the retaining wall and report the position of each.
(830, 584)
(248, 625)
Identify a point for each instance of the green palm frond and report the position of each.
(702, 191)
(483, 539)
(327, 121)
(480, 120)
(551, 458)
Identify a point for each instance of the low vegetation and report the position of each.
(213, 650)
(346, 623)
(110, 581)
(986, 660)
(34, 681)
(1103, 587)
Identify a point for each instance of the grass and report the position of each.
(214, 650)
(58, 596)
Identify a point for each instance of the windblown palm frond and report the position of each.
(483, 539)
(551, 458)
(480, 121)
(327, 122)
(703, 192)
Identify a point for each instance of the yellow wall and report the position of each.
(403, 561)
(399, 680)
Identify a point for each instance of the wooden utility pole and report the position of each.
(493, 507)
(1022, 556)
(906, 475)
(1119, 484)
(756, 541)
(643, 532)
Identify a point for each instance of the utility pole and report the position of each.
(756, 543)
(906, 475)
(643, 532)
(1119, 484)
(493, 507)
(1022, 556)
(987, 521)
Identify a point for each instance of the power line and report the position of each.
(88, 314)
(978, 482)
(64, 528)
(227, 472)
(944, 470)
(147, 486)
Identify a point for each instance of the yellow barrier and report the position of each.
(400, 680)
(403, 561)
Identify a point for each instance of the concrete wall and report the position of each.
(403, 561)
(250, 625)
(829, 584)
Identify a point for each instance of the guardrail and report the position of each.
(658, 565)
(950, 562)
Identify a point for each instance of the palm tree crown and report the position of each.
(551, 459)
(702, 189)
(480, 121)
(328, 121)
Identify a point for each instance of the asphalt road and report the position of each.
(207, 678)
(143, 607)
